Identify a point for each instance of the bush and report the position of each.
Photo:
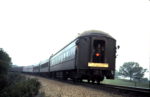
(21, 88)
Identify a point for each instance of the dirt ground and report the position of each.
(53, 88)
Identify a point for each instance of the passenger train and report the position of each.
(90, 56)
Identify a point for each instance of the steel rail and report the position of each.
(123, 90)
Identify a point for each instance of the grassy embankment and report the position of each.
(124, 82)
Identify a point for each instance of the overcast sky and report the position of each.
(31, 30)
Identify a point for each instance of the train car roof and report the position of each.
(87, 33)
(94, 33)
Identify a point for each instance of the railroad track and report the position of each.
(121, 90)
(114, 89)
(125, 88)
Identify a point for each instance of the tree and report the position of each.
(132, 70)
(5, 63)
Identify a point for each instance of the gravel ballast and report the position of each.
(54, 88)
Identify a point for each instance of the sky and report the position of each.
(32, 30)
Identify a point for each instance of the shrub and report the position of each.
(21, 88)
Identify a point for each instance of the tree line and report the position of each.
(15, 84)
(132, 70)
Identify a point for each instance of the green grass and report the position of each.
(124, 82)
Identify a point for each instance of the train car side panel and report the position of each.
(64, 59)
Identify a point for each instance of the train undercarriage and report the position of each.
(80, 75)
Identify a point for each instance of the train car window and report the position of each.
(67, 54)
(60, 58)
(98, 54)
(72, 52)
(56, 60)
(64, 56)
(51, 62)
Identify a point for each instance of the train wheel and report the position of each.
(101, 78)
(80, 80)
(98, 81)
(88, 80)
(93, 81)
(75, 80)
(65, 78)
